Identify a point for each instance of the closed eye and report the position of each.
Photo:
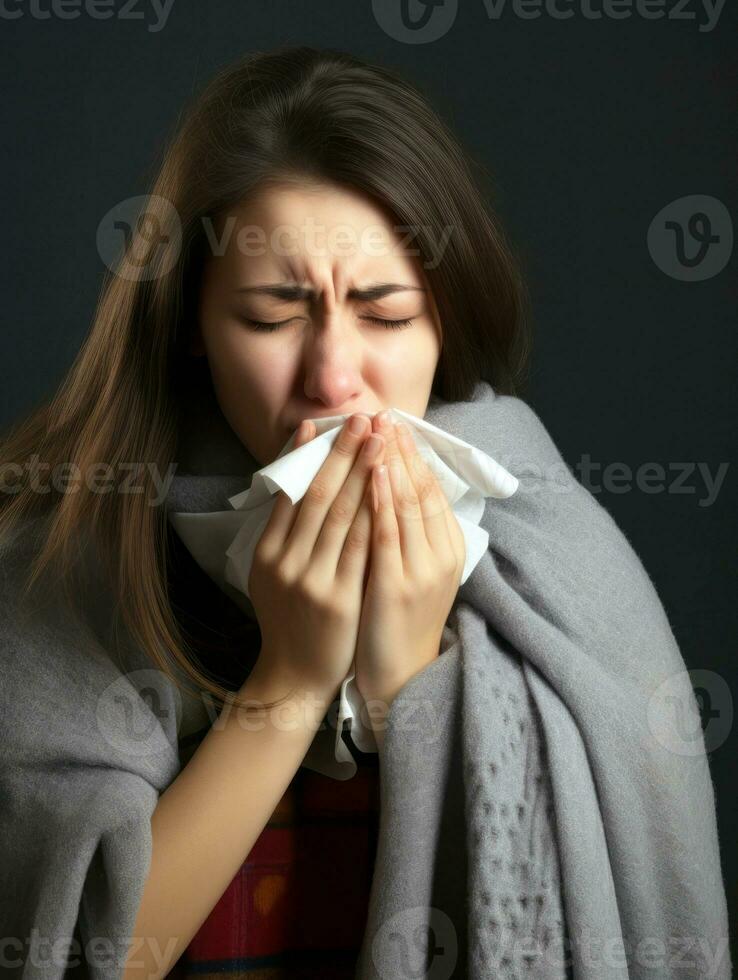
(266, 327)
(389, 324)
(261, 325)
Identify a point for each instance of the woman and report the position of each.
(315, 244)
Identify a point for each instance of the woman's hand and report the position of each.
(417, 558)
(308, 572)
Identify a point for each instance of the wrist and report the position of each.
(375, 711)
(271, 697)
(384, 685)
(269, 681)
(381, 693)
(274, 702)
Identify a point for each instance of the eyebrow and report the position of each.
(294, 291)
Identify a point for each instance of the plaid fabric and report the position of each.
(297, 906)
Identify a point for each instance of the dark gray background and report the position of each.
(589, 126)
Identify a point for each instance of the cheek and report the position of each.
(400, 372)
(248, 370)
(251, 382)
(408, 359)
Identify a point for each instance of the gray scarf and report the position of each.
(542, 812)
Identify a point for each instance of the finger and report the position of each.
(284, 511)
(386, 544)
(353, 562)
(339, 520)
(434, 504)
(414, 543)
(456, 537)
(324, 488)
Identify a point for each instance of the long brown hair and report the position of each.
(296, 114)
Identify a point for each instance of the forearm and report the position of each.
(208, 819)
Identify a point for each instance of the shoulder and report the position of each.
(552, 517)
(67, 691)
(505, 427)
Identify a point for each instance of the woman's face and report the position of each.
(327, 266)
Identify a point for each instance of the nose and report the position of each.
(332, 364)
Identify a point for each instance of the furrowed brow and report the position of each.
(291, 292)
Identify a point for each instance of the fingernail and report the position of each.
(383, 419)
(356, 424)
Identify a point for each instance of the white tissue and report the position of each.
(466, 475)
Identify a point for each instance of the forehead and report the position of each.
(306, 234)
